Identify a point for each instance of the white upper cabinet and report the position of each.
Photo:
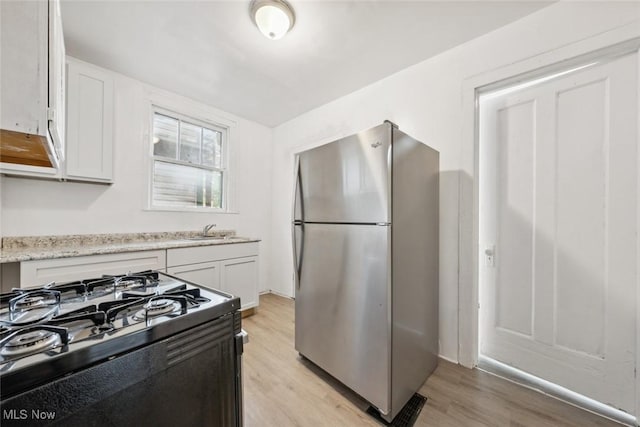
(89, 123)
(32, 82)
(38, 139)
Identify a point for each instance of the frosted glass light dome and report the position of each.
(274, 18)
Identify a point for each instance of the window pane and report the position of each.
(165, 136)
(186, 186)
(190, 142)
(211, 148)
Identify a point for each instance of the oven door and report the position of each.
(192, 378)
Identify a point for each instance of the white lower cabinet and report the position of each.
(37, 273)
(239, 277)
(230, 268)
(204, 273)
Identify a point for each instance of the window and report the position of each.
(188, 163)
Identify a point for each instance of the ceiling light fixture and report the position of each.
(274, 18)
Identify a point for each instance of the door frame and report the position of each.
(616, 42)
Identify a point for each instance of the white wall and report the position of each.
(426, 101)
(37, 207)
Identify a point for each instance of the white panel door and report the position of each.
(559, 230)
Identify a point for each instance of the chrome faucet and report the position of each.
(205, 230)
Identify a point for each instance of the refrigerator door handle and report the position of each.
(297, 202)
(297, 254)
(297, 189)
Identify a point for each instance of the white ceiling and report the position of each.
(211, 51)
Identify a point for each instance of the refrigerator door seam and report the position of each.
(383, 224)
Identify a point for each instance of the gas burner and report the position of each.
(34, 299)
(29, 342)
(33, 339)
(30, 302)
(127, 283)
(159, 306)
(143, 278)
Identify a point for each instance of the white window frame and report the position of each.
(195, 119)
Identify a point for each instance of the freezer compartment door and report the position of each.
(347, 180)
(342, 306)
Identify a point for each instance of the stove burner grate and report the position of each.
(130, 283)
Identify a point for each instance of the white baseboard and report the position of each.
(271, 291)
(455, 362)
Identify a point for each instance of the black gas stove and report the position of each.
(62, 338)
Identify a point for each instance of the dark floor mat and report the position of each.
(406, 417)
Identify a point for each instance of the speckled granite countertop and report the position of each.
(27, 248)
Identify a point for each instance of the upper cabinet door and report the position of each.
(89, 123)
(23, 76)
(347, 180)
(32, 105)
(56, 99)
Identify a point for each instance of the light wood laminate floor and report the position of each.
(282, 389)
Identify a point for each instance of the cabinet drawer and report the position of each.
(193, 255)
(37, 273)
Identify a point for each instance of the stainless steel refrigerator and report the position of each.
(365, 244)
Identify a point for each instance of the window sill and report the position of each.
(190, 210)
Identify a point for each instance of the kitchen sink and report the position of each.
(209, 238)
(235, 238)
